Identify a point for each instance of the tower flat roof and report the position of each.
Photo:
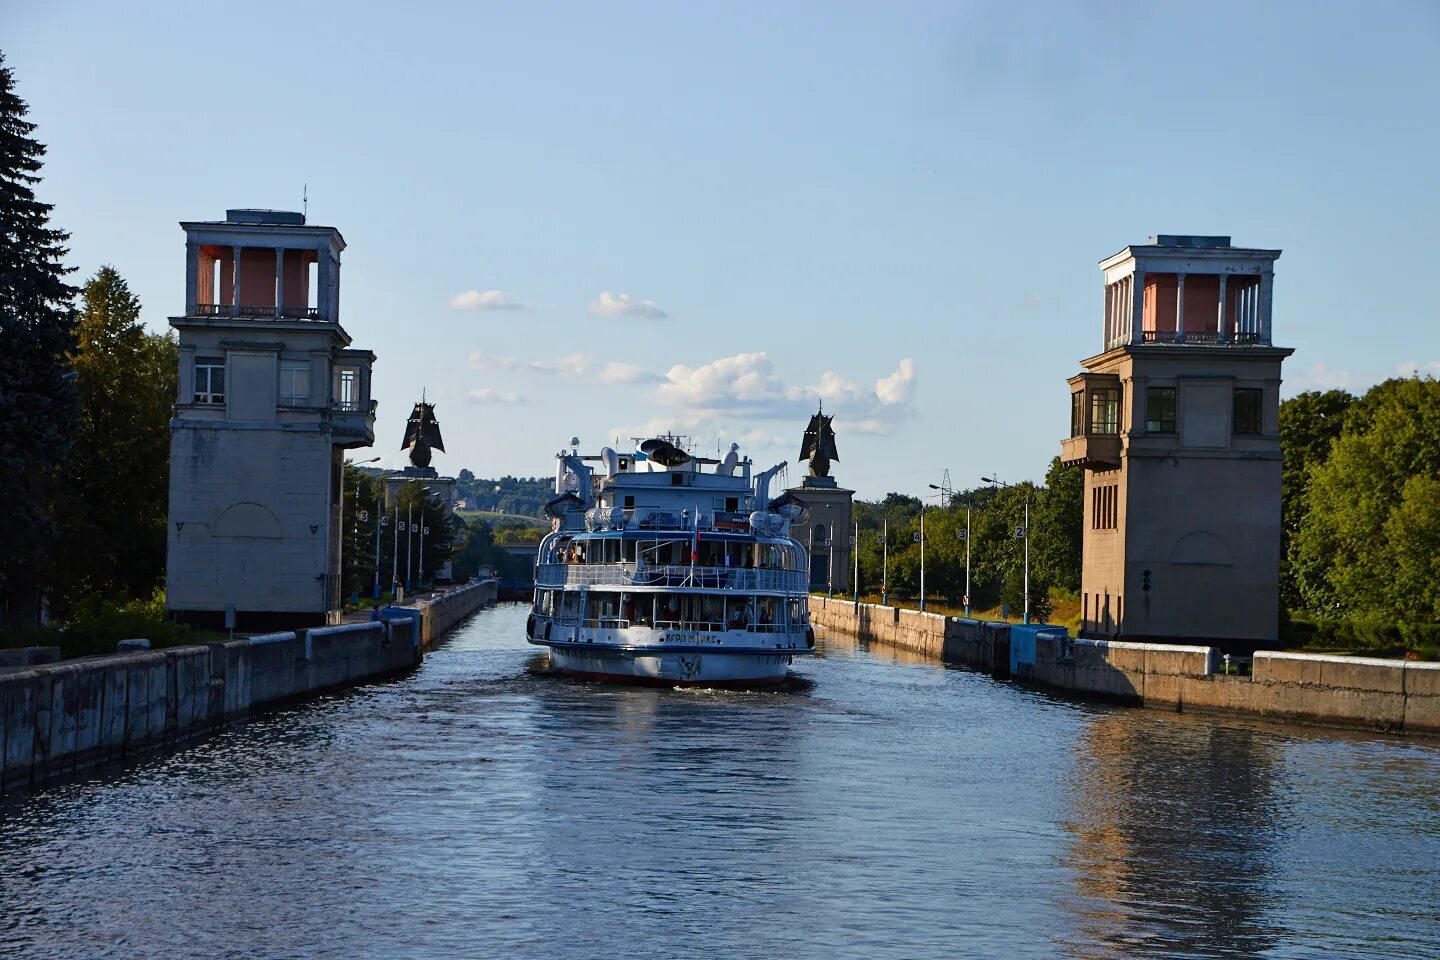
(289, 218)
(1192, 241)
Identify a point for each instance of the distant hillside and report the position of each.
(524, 496)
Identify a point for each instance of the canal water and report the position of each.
(884, 807)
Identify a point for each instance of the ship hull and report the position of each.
(672, 669)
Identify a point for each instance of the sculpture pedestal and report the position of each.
(826, 533)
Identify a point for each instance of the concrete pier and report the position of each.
(61, 717)
(1396, 696)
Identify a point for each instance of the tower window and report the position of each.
(1105, 411)
(210, 380)
(1160, 410)
(1077, 413)
(294, 384)
(1105, 507)
(1248, 402)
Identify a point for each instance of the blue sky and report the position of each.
(710, 216)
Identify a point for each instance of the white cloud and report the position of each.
(491, 395)
(484, 300)
(623, 305)
(575, 363)
(1321, 377)
(623, 372)
(747, 384)
(1412, 369)
(899, 387)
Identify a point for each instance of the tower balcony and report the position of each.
(1095, 422)
(352, 423)
(1092, 451)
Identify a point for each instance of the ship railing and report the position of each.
(630, 575)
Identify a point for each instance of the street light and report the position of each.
(885, 562)
(1021, 533)
(967, 549)
(340, 554)
(921, 537)
(855, 555)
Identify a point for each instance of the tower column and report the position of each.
(1267, 282)
(322, 284)
(192, 278)
(279, 282)
(235, 281)
(1137, 307)
(1180, 308)
(1220, 313)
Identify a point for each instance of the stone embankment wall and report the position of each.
(1393, 695)
(439, 615)
(62, 717)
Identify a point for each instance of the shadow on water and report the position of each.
(793, 683)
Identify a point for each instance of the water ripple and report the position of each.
(877, 807)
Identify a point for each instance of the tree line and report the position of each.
(1361, 525)
(995, 516)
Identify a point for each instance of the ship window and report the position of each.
(677, 479)
(210, 380)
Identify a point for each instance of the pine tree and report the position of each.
(37, 401)
(112, 507)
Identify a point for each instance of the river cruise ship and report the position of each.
(664, 567)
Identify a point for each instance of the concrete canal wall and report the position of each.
(1392, 695)
(61, 717)
(439, 615)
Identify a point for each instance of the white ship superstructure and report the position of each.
(668, 568)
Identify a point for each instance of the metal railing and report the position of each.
(1199, 336)
(256, 311)
(701, 626)
(353, 406)
(630, 575)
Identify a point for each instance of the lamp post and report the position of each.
(830, 563)
(410, 548)
(885, 562)
(967, 555)
(855, 555)
(395, 552)
(921, 537)
(381, 522)
(1021, 533)
(340, 553)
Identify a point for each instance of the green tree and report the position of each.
(37, 403)
(1056, 519)
(427, 538)
(1309, 424)
(1364, 546)
(363, 513)
(112, 506)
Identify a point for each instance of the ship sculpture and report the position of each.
(819, 444)
(664, 567)
(422, 435)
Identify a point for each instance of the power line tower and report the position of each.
(946, 493)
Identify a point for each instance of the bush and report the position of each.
(1300, 631)
(97, 624)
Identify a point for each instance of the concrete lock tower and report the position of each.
(1176, 424)
(271, 395)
